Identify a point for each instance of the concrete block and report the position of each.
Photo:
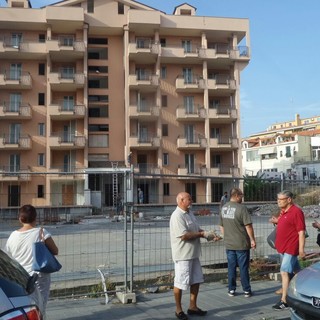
(125, 297)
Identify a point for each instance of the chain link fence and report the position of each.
(107, 234)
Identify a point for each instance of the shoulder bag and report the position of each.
(43, 260)
(271, 239)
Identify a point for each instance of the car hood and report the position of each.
(308, 281)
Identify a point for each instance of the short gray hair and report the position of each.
(286, 193)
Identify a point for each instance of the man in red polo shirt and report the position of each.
(290, 240)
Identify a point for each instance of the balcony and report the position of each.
(180, 54)
(225, 170)
(191, 113)
(147, 112)
(144, 142)
(62, 111)
(15, 80)
(147, 82)
(16, 111)
(10, 49)
(66, 172)
(15, 142)
(240, 53)
(221, 84)
(193, 83)
(61, 81)
(66, 141)
(223, 142)
(144, 51)
(222, 114)
(195, 142)
(191, 172)
(67, 49)
(146, 169)
(14, 173)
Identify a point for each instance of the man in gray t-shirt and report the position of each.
(236, 228)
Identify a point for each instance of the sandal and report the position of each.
(197, 312)
(181, 315)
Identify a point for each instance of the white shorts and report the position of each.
(187, 272)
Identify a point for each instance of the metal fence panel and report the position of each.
(130, 242)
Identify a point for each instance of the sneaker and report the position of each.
(280, 306)
(247, 294)
(231, 293)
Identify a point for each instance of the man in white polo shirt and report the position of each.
(185, 235)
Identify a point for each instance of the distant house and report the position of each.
(290, 150)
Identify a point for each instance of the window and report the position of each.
(98, 141)
(98, 41)
(41, 99)
(98, 69)
(99, 112)
(16, 39)
(164, 101)
(186, 45)
(252, 155)
(15, 102)
(90, 6)
(163, 42)
(98, 98)
(42, 38)
(165, 159)
(120, 8)
(165, 130)
(163, 72)
(41, 129)
(288, 152)
(99, 128)
(41, 69)
(40, 191)
(166, 189)
(214, 133)
(41, 159)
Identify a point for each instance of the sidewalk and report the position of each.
(212, 297)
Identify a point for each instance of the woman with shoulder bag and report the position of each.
(20, 243)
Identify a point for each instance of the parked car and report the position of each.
(19, 295)
(304, 294)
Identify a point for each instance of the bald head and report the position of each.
(184, 200)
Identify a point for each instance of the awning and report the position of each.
(267, 150)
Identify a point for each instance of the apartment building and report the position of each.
(87, 85)
(289, 150)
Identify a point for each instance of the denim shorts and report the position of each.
(289, 263)
(187, 273)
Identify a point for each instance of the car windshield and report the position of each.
(7, 264)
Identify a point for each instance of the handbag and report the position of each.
(271, 239)
(43, 260)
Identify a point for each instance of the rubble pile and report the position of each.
(312, 211)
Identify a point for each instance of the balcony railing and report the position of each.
(16, 79)
(15, 173)
(144, 141)
(192, 82)
(146, 168)
(62, 139)
(196, 141)
(15, 109)
(193, 112)
(69, 110)
(15, 141)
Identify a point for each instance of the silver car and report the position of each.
(19, 296)
(304, 294)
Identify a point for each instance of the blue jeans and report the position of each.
(241, 259)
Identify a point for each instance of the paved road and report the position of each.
(213, 297)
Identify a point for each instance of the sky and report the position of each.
(283, 76)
